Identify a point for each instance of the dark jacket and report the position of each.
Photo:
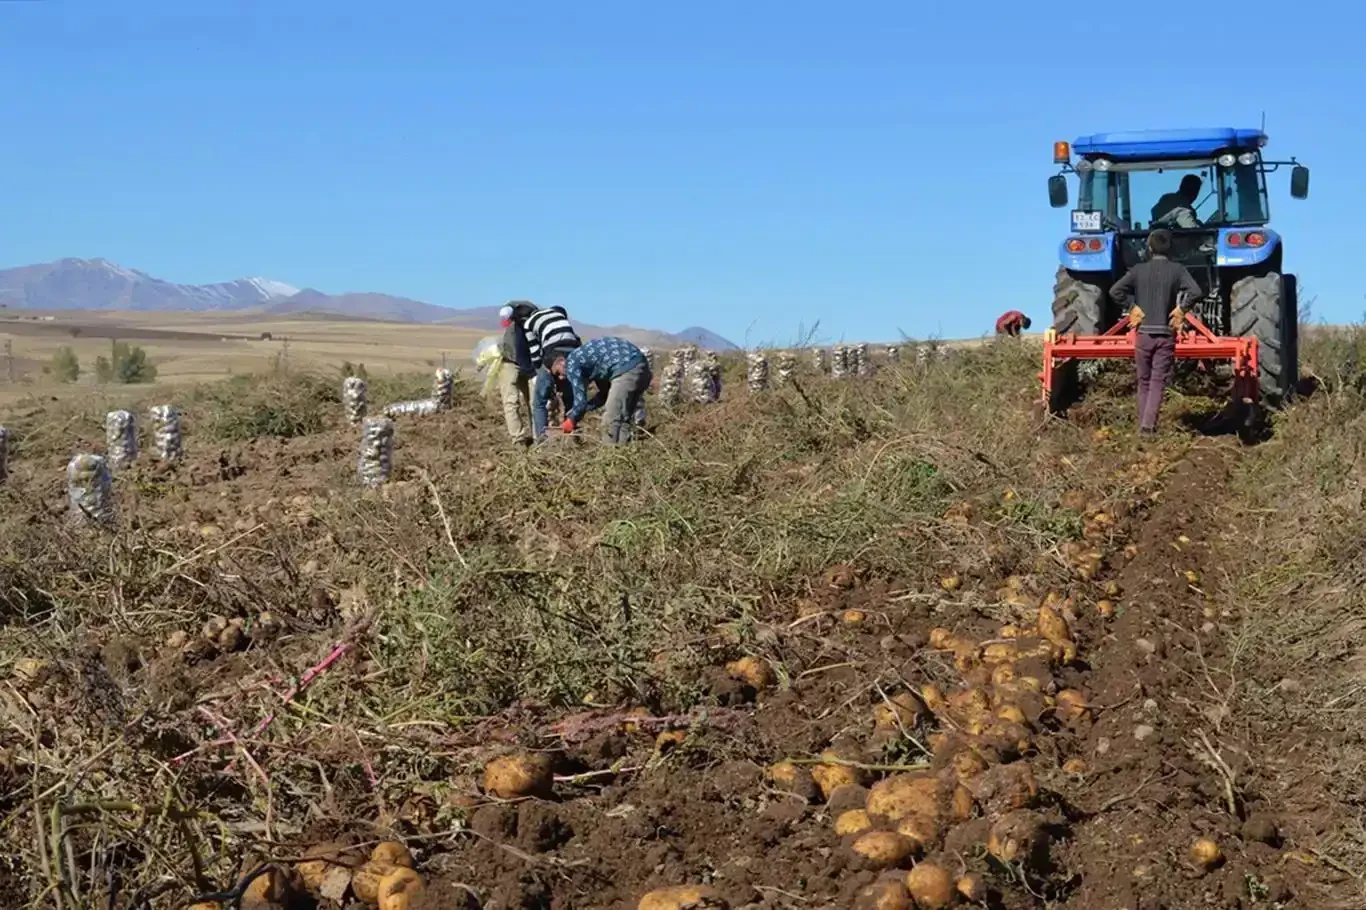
(515, 350)
(1154, 286)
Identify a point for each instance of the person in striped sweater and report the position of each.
(549, 333)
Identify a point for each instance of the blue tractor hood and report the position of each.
(1149, 145)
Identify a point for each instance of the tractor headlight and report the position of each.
(1083, 166)
(1247, 158)
(1227, 160)
(1101, 164)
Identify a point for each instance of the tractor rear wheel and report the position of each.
(1079, 307)
(1266, 307)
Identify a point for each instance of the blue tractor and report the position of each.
(1209, 187)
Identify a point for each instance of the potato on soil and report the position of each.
(1006, 787)
(366, 880)
(399, 888)
(933, 697)
(924, 832)
(1075, 766)
(318, 861)
(1018, 836)
(951, 582)
(683, 897)
(1052, 626)
(931, 887)
(887, 894)
(961, 804)
(1106, 608)
(973, 888)
(967, 765)
(1205, 853)
(901, 711)
(847, 797)
(854, 821)
(1071, 707)
(518, 775)
(393, 853)
(853, 617)
(278, 884)
(752, 671)
(884, 849)
(832, 776)
(903, 795)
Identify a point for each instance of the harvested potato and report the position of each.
(884, 849)
(1071, 707)
(1106, 608)
(829, 777)
(1052, 626)
(951, 582)
(1205, 853)
(972, 887)
(967, 765)
(365, 881)
(318, 861)
(1009, 632)
(962, 804)
(1005, 787)
(1075, 766)
(902, 795)
(393, 853)
(923, 832)
(1000, 651)
(855, 821)
(941, 638)
(683, 897)
(847, 797)
(752, 671)
(783, 774)
(933, 697)
(517, 775)
(931, 886)
(901, 711)
(399, 888)
(280, 884)
(669, 740)
(888, 894)
(213, 628)
(1018, 836)
(1003, 675)
(1011, 713)
(853, 617)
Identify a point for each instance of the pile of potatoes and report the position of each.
(983, 729)
(329, 871)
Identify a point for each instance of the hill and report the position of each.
(99, 284)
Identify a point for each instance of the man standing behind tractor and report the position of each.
(1012, 323)
(622, 375)
(1159, 288)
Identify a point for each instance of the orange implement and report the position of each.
(1194, 341)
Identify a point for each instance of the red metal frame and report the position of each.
(1194, 341)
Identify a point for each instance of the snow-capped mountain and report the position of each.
(98, 284)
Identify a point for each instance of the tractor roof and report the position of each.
(1138, 145)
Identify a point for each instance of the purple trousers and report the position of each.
(1153, 359)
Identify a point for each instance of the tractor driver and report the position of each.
(1178, 209)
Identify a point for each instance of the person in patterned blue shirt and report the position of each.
(622, 374)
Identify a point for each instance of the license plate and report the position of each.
(1086, 221)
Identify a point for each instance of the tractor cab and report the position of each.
(1209, 187)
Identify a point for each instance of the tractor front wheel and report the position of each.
(1266, 307)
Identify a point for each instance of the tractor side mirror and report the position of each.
(1057, 190)
(1299, 182)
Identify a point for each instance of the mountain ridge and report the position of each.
(101, 284)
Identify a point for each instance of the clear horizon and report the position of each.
(750, 169)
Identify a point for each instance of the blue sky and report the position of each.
(748, 166)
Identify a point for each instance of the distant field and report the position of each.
(194, 347)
